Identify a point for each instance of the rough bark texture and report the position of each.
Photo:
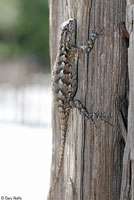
(127, 189)
(93, 159)
(129, 21)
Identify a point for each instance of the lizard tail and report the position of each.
(63, 123)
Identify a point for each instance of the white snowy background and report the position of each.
(25, 141)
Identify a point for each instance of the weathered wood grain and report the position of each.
(127, 188)
(92, 167)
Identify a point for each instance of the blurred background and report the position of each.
(25, 99)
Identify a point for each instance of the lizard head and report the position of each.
(69, 25)
(68, 31)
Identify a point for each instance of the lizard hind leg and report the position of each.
(94, 115)
(77, 104)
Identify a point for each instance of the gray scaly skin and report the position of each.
(65, 81)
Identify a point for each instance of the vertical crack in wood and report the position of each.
(85, 127)
(84, 146)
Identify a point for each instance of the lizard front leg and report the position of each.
(87, 48)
